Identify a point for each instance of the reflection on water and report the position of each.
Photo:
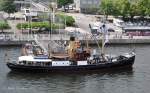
(68, 82)
(133, 80)
(115, 72)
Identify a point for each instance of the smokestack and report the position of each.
(72, 38)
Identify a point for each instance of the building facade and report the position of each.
(87, 6)
(22, 3)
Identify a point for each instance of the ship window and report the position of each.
(24, 62)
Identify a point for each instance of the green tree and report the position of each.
(144, 7)
(64, 3)
(123, 7)
(134, 9)
(69, 20)
(126, 8)
(8, 6)
(107, 7)
(4, 25)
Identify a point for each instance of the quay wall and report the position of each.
(120, 41)
(19, 40)
(13, 43)
(91, 42)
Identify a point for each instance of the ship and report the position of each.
(75, 57)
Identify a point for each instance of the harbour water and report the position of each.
(135, 80)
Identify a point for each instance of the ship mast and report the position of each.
(103, 39)
(103, 30)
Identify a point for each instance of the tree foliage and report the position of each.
(144, 7)
(107, 7)
(7, 6)
(125, 8)
(122, 6)
(69, 20)
(64, 2)
(134, 10)
(4, 25)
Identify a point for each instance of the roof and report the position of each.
(32, 59)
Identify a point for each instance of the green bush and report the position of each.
(39, 25)
(69, 19)
(4, 25)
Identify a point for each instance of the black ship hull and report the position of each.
(107, 65)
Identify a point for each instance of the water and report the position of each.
(134, 80)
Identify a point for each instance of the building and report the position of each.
(30, 14)
(87, 6)
(137, 30)
(22, 3)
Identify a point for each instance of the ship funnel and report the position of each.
(72, 38)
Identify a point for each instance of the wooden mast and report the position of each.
(87, 41)
(103, 39)
(103, 29)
